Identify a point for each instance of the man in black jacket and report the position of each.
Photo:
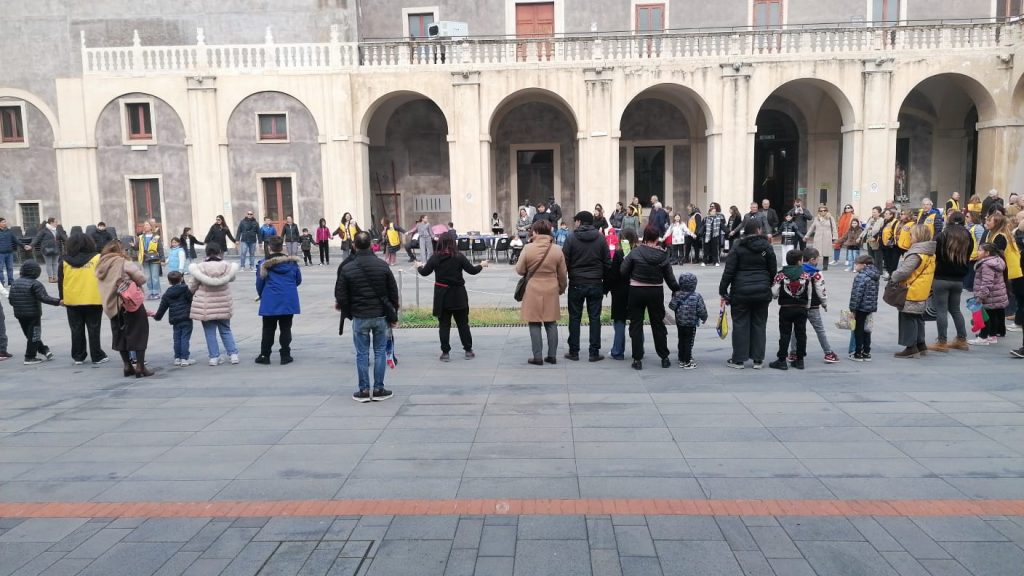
(800, 217)
(248, 234)
(587, 259)
(747, 286)
(290, 234)
(101, 236)
(8, 248)
(366, 293)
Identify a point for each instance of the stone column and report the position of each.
(207, 156)
(1000, 162)
(471, 205)
(75, 151)
(597, 164)
(877, 149)
(734, 167)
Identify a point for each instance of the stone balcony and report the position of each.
(831, 41)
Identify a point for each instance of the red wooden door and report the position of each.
(535, 20)
(277, 200)
(146, 200)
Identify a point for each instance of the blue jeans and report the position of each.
(851, 255)
(182, 335)
(362, 329)
(152, 270)
(7, 263)
(591, 295)
(210, 328)
(247, 249)
(619, 338)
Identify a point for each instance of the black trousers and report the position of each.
(792, 319)
(650, 299)
(861, 337)
(325, 255)
(590, 297)
(32, 328)
(270, 325)
(85, 320)
(996, 325)
(692, 249)
(687, 334)
(749, 322)
(307, 258)
(444, 329)
(712, 251)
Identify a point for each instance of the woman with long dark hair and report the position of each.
(323, 242)
(188, 243)
(953, 248)
(219, 233)
(711, 235)
(733, 227)
(447, 264)
(648, 270)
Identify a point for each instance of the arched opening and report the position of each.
(534, 151)
(798, 147)
(938, 142)
(274, 160)
(142, 165)
(663, 148)
(28, 165)
(409, 169)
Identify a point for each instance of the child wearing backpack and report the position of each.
(792, 287)
(863, 303)
(178, 301)
(306, 244)
(27, 295)
(819, 303)
(691, 312)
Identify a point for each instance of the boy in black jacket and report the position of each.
(792, 286)
(27, 296)
(306, 243)
(178, 300)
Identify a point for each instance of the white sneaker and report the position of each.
(717, 264)
(187, 362)
(234, 358)
(993, 340)
(980, 341)
(216, 361)
(177, 361)
(702, 264)
(1012, 328)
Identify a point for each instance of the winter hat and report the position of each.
(584, 217)
(687, 282)
(31, 269)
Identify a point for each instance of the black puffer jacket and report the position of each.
(363, 280)
(586, 255)
(248, 230)
(28, 294)
(648, 265)
(178, 301)
(749, 270)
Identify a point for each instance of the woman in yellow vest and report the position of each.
(391, 235)
(903, 240)
(80, 291)
(916, 271)
(974, 205)
(151, 255)
(890, 252)
(693, 225)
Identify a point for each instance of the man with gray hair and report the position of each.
(991, 200)
(930, 216)
(659, 217)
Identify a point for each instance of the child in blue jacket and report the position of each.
(691, 312)
(277, 283)
(863, 303)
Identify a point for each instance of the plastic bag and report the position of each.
(846, 320)
(722, 327)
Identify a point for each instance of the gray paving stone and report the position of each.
(494, 566)
(640, 566)
(691, 558)
(989, 488)
(892, 488)
(498, 541)
(765, 488)
(791, 567)
(349, 567)
(461, 562)
(912, 538)
(875, 534)
(251, 559)
(748, 468)
(294, 529)
(820, 528)
(646, 467)
(167, 530)
(67, 567)
(845, 559)
(178, 563)
(735, 533)
(944, 568)
(207, 536)
(206, 567)
(42, 530)
(520, 468)
(99, 543)
(753, 563)
(396, 556)
(632, 487)
(423, 528)
(958, 529)
(519, 488)
(52, 491)
(39, 564)
(988, 558)
(281, 489)
(75, 539)
(468, 533)
(288, 559)
(601, 535)
(1012, 531)
(554, 558)
(230, 543)
(132, 559)
(250, 522)
(552, 528)
(684, 528)
(356, 549)
(634, 541)
(164, 491)
(774, 542)
(14, 555)
(406, 488)
(606, 563)
(866, 468)
(905, 564)
(340, 529)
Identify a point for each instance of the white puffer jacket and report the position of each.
(208, 282)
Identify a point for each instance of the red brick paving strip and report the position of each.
(666, 507)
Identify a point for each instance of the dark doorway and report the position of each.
(776, 158)
(648, 173)
(535, 176)
(971, 127)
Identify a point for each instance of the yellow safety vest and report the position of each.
(80, 286)
(903, 240)
(953, 204)
(919, 285)
(394, 237)
(888, 232)
(1011, 256)
(691, 224)
(153, 248)
(929, 221)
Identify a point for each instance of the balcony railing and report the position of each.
(481, 53)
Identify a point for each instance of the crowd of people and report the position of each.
(928, 258)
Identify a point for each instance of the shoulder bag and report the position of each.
(130, 294)
(390, 313)
(520, 292)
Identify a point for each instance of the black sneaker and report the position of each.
(665, 362)
(596, 358)
(33, 360)
(866, 356)
(550, 360)
(637, 365)
(470, 355)
(1018, 353)
(362, 396)
(445, 357)
(286, 360)
(857, 357)
(381, 394)
(5, 355)
(734, 364)
(779, 364)
(798, 364)
(48, 354)
(261, 359)
(574, 356)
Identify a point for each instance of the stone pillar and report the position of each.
(877, 149)
(734, 168)
(471, 205)
(1000, 162)
(359, 152)
(597, 164)
(341, 185)
(209, 180)
(75, 151)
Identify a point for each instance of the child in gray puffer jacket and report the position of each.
(691, 312)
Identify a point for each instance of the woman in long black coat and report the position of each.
(450, 297)
(219, 234)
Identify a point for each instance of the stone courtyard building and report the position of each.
(120, 110)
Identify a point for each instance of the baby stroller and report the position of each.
(517, 248)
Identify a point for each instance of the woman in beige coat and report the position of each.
(824, 231)
(211, 301)
(130, 330)
(545, 262)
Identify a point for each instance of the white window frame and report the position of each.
(24, 124)
(632, 12)
(261, 202)
(513, 162)
(406, 12)
(18, 215)
(287, 123)
(785, 13)
(130, 197)
(870, 11)
(510, 15)
(123, 108)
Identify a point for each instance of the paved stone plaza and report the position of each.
(946, 428)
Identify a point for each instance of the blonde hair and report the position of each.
(920, 233)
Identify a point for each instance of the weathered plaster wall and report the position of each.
(29, 173)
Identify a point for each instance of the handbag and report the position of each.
(846, 320)
(520, 292)
(895, 294)
(722, 326)
(130, 294)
